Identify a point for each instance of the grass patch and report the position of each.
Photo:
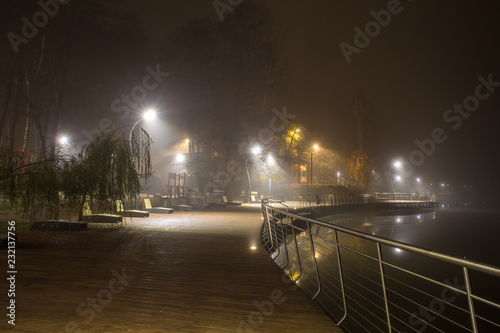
(9, 213)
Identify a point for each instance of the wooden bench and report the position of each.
(230, 203)
(243, 197)
(129, 212)
(99, 218)
(156, 210)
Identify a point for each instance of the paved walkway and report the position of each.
(183, 272)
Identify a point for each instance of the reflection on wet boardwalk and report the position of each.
(185, 272)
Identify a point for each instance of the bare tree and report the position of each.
(227, 80)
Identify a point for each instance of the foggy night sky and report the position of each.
(424, 61)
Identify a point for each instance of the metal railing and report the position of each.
(371, 284)
(313, 200)
(395, 200)
(404, 197)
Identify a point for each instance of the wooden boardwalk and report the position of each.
(184, 272)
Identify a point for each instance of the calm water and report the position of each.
(464, 232)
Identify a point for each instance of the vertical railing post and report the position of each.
(384, 290)
(472, 311)
(314, 258)
(341, 276)
(284, 241)
(297, 249)
(269, 225)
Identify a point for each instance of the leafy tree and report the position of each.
(359, 169)
(108, 169)
(326, 165)
(361, 162)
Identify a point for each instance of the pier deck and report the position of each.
(184, 272)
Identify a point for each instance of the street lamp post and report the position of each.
(270, 162)
(148, 115)
(249, 182)
(311, 168)
(255, 150)
(315, 148)
(397, 165)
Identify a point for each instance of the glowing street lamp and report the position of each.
(64, 140)
(64, 145)
(256, 150)
(180, 158)
(149, 115)
(395, 165)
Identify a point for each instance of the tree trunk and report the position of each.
(8, 95)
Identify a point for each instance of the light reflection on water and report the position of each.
(467, 233)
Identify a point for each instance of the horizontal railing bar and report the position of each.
(402, 322)
(329, 296)
(366, 267)
(328, 310)
(361, 285)
(399, 319)
(365, 298)
(478, 298)
(427, 294)
(360, 315)
(432, 311)
(487, 320)
(427, 279)
(485, 268)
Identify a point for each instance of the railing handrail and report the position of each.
(470, 264)
(269, 200)
(291, 255)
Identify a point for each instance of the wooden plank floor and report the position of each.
(184, 272)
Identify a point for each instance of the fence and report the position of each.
(313, 200)
(370, 284)
(387, 199)
(402, 197)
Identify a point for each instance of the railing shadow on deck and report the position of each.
(371, 284)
